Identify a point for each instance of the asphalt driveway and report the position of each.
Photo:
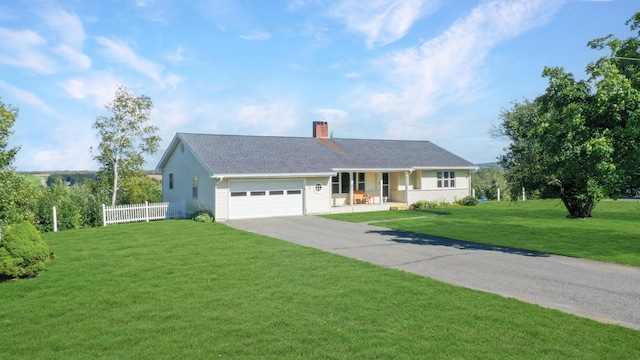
(600, 291)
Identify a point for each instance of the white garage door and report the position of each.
(264, 198)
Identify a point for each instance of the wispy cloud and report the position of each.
(381, 21)
(256, 36)
(27, 97)
(275, 118)
(71, 35)
(26, 49)
(175, 57)
(447, 69)
(98, 86)
(118, 51)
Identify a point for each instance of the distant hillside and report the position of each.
(490, 164)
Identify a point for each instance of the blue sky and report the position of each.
(408, 69)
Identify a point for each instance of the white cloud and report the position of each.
(79, 60)
(27, 97)
(69, 28)
(119, 51)
(381, 21)
(100, 86)
(269, 119)
(256, 36)
(448, 69)
(176, 57)
(24, 48)
(335, 117)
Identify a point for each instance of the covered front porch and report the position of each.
(381, 187)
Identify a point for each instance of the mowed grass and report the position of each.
(612, 234)
(187, 290)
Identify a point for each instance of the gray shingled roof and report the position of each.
(238, 154)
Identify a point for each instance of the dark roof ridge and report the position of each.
(302, 137)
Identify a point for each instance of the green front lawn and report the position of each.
(187, 290)
(612, 235)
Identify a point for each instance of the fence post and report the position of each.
(55, 220)
(473, 192)
(498, 189)
(523, 195)
(104, 215)
(146, 210)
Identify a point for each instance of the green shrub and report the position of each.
(469, 201)
(22, 251)
(420, 204)
(202, 216)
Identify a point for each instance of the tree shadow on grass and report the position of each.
(403, 237)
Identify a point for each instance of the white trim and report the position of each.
(272, 176)
(372, 169)
(446, 168)
(177, 139)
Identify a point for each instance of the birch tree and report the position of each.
(125, 137)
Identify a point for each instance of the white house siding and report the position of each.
(317, 202)
(184, 166)
(449, 195)
(429, 187)
(222, 197)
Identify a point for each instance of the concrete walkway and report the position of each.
(600, 291)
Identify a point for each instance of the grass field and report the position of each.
(612, 234)
(187, 290)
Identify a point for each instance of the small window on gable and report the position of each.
(170, 181)
(195, 187)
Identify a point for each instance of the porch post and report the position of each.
(381, 190)
(351, 192)
(406, 187)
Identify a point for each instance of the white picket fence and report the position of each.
(142, 212)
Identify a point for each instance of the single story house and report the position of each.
(236, 176)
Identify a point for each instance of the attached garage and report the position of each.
(265, 198)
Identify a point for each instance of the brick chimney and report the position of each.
(320, 129)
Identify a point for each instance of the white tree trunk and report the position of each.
(115, 183)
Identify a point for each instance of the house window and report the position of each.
(345, 179)
(341, 183)
(194, 190)
(170, 181)
(446, 179)
(360, 181)
(385, 184)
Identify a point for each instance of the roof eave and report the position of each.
(446, 167)
(272, 176)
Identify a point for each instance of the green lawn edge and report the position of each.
(182, 289)
(611, 235)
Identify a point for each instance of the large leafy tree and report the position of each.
(125, 137)
(15, 191)
(580, 140)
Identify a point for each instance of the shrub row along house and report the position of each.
(237, 177)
